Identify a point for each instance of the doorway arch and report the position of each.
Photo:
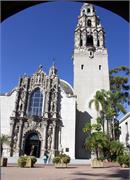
(32, 144)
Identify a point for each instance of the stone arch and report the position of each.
(32, 143)
(89, 40)
(89, 23)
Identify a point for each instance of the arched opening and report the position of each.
(83, 11)
(32, 145)
(81, 42)
(98, 43)
(89, 40)
(35, 103)
(89, 23)
(88, 10)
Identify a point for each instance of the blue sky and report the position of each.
(45, 32)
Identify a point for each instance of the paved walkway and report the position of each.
(73, 172)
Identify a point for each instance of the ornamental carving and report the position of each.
(36, 107)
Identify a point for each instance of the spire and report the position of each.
(53, 70)
(89, 33)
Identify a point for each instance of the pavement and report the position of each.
(111, 171)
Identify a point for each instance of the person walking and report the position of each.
(45, 158)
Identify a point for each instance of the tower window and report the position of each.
(66, 149)
(82, 66)
(98, 43)
(89, 23)
(88, 10)
(84, 11)
(100, 67)
(21, 106)
(91, 54)
(81, 42)
(89, 40)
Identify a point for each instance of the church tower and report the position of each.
(90, 61)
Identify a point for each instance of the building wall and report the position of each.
(90, 78)
(7, 107)
(7, 102)
(125, 129)
(68, 118)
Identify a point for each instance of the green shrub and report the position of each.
(56, 160)
(33, 158)
(22, 161)
(61, 158)
(101, 158)
(66, 159)
(123, 159)
(116, 149)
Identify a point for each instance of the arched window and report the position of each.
(84, 11)
(98, 43)
(88, 10)
(81, 42)
(89, 23)
(35, 103)
(89, 40)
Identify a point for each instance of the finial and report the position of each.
(24, 74)
(40, 66)
(53, 62)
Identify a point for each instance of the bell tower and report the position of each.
(90, 61)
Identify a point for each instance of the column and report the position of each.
(11, 133)
(44, 141)
(53, 138)
(18, 149)
(84, 38)
(95, 40)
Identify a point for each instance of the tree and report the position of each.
(119, 83)
(116, 149)
(97, 141)
(99, 101)
(108, 107)
(4, 139)
(113, 107)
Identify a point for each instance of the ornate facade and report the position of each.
(36, 121)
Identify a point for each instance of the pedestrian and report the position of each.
(45, 158)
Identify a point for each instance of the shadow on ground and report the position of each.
(123, 174)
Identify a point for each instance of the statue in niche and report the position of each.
(49, 137)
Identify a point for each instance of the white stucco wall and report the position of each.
(89, 79)
(7, 103)
(125, 128)
(68, 119)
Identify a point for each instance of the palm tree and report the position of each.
(116, 149)
(108, 106)
(4, 139)
(100, 100)
(97, 142)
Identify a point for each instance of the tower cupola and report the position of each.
(89, 33)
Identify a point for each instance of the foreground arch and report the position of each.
(9, 8)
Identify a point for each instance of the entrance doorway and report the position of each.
(32, 145)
